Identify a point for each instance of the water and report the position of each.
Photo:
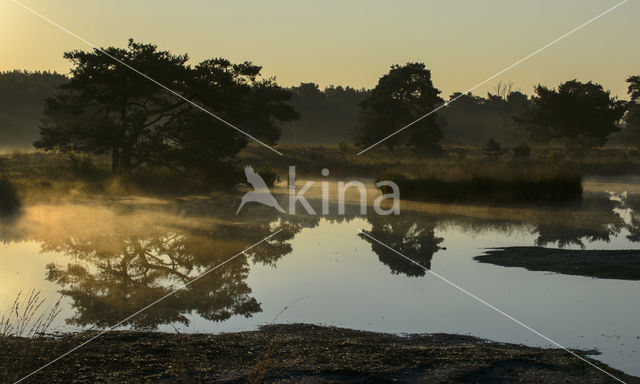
(111, 258)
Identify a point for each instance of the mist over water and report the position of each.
(109, 259)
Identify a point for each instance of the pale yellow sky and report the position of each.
(347, 42)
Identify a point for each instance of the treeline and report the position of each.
(327, 116)
(332, 115)
(104, 108)
(22, 96)
(475, 120)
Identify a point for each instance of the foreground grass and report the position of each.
(298, 353)
(602, 264)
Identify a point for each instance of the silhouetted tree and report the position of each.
(401, 96)
(634, 87)
(578, 115)
(632, 122)
(493, 149)
(503, 90)
(631, 133)
(106, 108)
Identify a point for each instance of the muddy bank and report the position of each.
(292, 353)
(602, 264)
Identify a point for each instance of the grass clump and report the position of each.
(488, 189)
(488, 180)
(25, 323)
(9, 201)
(27, 318)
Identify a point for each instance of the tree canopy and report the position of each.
(634, 87)
(578, 115)
(401, 96)
(107, 108)
(632, 116)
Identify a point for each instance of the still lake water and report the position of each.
(108, 259)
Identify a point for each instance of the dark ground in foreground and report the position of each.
(293, 353)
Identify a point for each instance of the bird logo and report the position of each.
(260, 193)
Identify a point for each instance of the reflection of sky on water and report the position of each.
(341, 279)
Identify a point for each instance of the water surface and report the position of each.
(108, 259)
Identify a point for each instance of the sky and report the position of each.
(347, 42)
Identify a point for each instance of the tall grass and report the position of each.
(456, 162)
(460, 175)
(27, 317)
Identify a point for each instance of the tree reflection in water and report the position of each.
(633, 204)
(115, 274)
(413, 238)
(123, 259)
(594, 220)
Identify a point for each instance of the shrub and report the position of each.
(493, 149)
(9, 201)
(522, 151)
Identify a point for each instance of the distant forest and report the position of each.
(22, 100)
(327, 116)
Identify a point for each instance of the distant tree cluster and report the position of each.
(578, 115)
(327, 116)
(22, 99)
(473, 120)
